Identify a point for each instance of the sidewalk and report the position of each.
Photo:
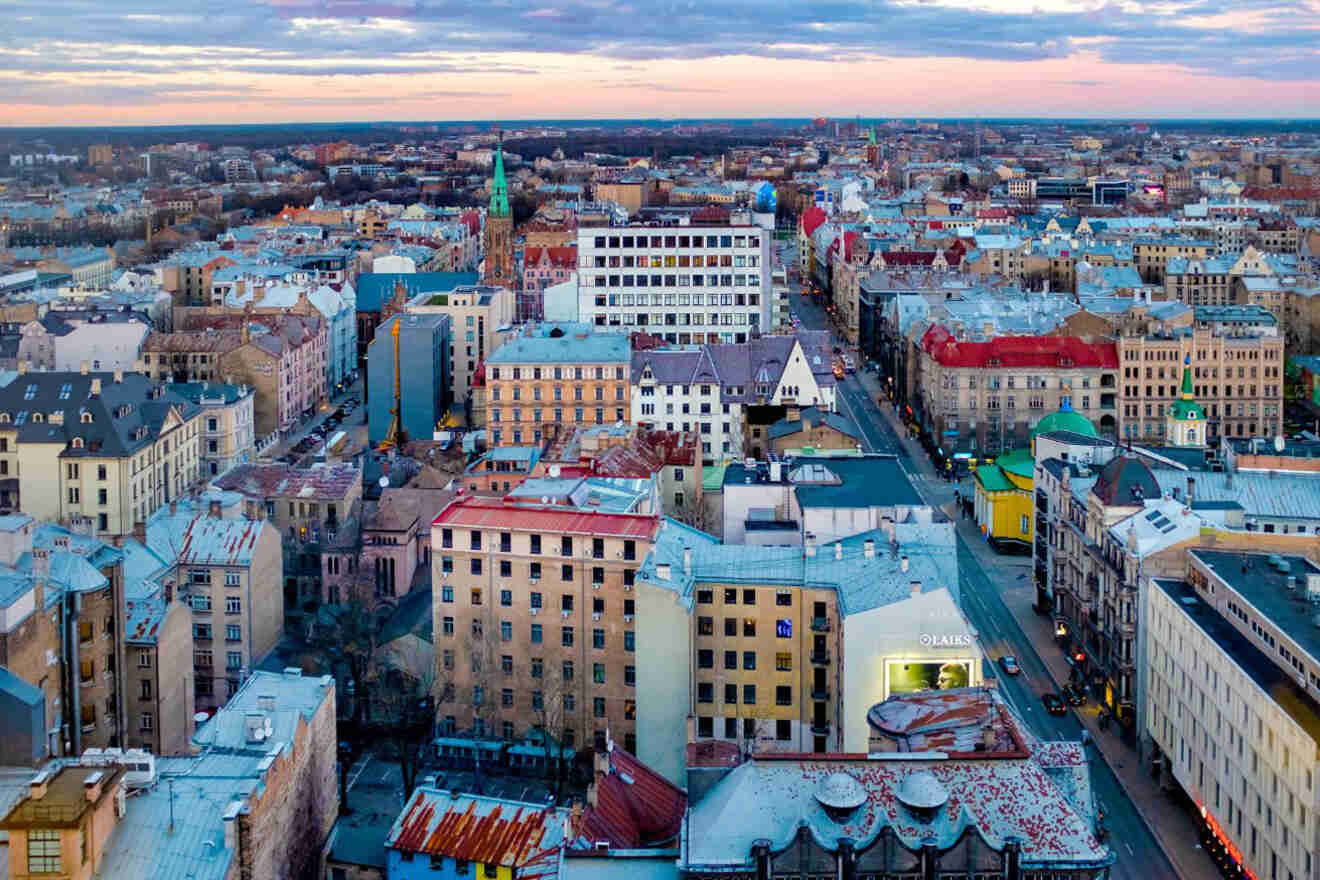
(1172, 827)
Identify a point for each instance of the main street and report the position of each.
(1139, 854)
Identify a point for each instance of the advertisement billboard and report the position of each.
(908, 677)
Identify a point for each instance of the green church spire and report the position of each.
(1187, 393)
(499, 188)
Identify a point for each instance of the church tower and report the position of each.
(1185, 423)
(498, 243)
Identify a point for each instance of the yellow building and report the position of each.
(1005, 490)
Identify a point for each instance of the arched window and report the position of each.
(77, 443)
(86, 418)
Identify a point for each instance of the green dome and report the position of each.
(1066, 419)
(1187, 411)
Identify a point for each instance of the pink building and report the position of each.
(544, 266)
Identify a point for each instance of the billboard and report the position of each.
(908, 677)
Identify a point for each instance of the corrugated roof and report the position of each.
(473, 512)
(525, 837)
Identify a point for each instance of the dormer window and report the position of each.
(77, 443)
(38, 417)
(86, 418)
(4, 418)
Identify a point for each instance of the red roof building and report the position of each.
(629, 806)
(1018, 351)
(526, 839)
(812, 218)
(478, 513)
(546, 266)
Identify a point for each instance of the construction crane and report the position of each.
(396, 436)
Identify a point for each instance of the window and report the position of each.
(566, 637)
(749, 659)
(536, 634)
(629, 641)
(783, 661)
(506, 598)
(566, 573)
(705, 659)
(147, 722)
(598, 673)
(749, 695)
(506, 631)
(730, 659)
(43, 851)
(144, 689)
(233, 605)
(783, 695)
(233, 633)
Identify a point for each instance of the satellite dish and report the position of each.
(200, 718)
(1279, 443)
(384, 482)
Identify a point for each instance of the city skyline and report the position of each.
(294, 61)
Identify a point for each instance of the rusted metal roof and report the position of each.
(525, 837)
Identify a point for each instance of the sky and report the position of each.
(92, 62)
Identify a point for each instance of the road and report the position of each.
(1139, 854)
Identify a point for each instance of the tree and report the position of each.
(403, 704)
(552, 692)
(694, 512)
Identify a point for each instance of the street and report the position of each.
(1139, 854)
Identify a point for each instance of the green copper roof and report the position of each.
(1185, 408)
(499, 187)
(1066, 419)
(1018, 462)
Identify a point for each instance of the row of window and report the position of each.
(711, 280)
(669, 242)
(534, 541)
(517, 373)
(566, 602)
(558, 392)
(536, 634)
(203, 631)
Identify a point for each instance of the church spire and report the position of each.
(499, 188)
(1187, 393)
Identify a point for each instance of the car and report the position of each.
(848, 364)
(1054, 705)
(1009, 664)
(1074, 695)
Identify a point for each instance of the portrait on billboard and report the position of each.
(906, 678)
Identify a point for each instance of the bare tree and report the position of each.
(694, 512)
(554, 708)
(403, 706)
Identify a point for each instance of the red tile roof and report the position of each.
(1018, 351)
(559, 257)
(811, 219)
(635, 806)
(471, 512)
(909, 258)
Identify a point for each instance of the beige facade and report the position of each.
(1237, 378)
(60, 826)
(527, 403)
(109, 455)
(1243, 747)
(477, 314)
(1151, 256)
(159, 699)
(534, 614)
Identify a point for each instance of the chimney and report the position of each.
(810, 548)
(37, 787)
(96, 388)
(838, 549)
(591, 795)
(903, 563)
(691, 729)
(92, 785)
(988, 737)
(1191, 490)
(174, 508)
(119, 377)
(214, 509)
(687, 560)
(85, 367)
(40, 563)
(230, 818)
(868, 548)
(140, 532)
(916, 588)
(662, 571)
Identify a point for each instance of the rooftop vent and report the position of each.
(922, 793)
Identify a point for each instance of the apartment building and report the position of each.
(534, 610)
(477, 316)
(986, 396)
(1237, 377)
(60, 824)
(281, 357)
(687, 284)
(784, 649)
(308, 507)
(1151, 256)
(230, 574)
(712, 389)
(109, 447)
(1233, 668)
(228, 423)
(548, 381)
(159, 691)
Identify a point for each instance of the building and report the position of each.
(230, 574)
(497, 244)
(809, 430)
(395, 540)
(23, 708)
(422, 344)
(774, 648)
(534, 619)
(160, 702)
(380, 294)
(60, 827)
(100, 154)
(955, 787)
(478, 318)
(259, 796)
(701, 284)
(985, 397)
(539, 385)
(109, 447)
(1151, 256)
(308, 508)
(1237, 377)
(1232, 668)
(543, 267)
(730, 394)
(228, 423)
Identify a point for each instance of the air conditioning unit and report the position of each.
(595, 586)
(627, 588)
(565, 613)
(534, 580)
(627, 618)
(595, 615)
(534, 610)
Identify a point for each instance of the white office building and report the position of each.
(689, 285)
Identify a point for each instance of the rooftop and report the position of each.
(473, 512)
(321, 482)
(861, 481)
(513, 834)
(1265, 588)
(65, 799)
(575, 348)
(1271, 678)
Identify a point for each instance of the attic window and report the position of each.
(38, 417)
(77, 443)
(4, 418)
(86, 418)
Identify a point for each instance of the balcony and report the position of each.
(820, 624)
(821, 657)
